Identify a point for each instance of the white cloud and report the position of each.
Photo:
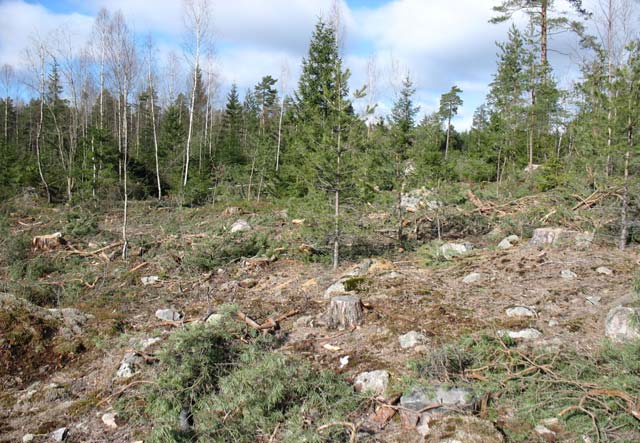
(20, 20)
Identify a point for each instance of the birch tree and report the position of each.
(197, 17)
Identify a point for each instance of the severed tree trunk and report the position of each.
(41, 123)
(345, 312)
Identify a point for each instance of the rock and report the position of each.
(147, 343)
(128, 365)
(553, 323)
(417, 199)
(73, 321)
(215, 319)
(559, 236)
(449, 399)
(623, 324)
(150, 280)
(240, 226)
(411, 339)
(337, 288)
(248, 283)
(545, 433)
(60, 434)
(520, 311)
(168, 315)
(525, 334)
(450, 250)
(472, 278)
(593, 300)
(230, 285)
(344, 361)
(462, 429)
(508, 242)
(568, 274)
(375, 382)
(109, 419)
(604, 270)
(360, 269)
(28, 438)
(345, 312)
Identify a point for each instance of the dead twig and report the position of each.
(122, 391)
(345, 424)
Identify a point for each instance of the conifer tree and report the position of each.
(449, 104)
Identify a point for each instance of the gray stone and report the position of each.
(524, 334)
(448, 399)
(521, 311)
(215, 319)
(361, 268)
(28, 438)
(568, 274)
(593, 300)
(240, 226)
(508, 242)
(60, 434)
(553, 323)
(151, 279)
(545, 433)
(560, 236)
(604, 270)
(148, 342)
(168, 315)
(450, 250)
(109, 419)
(73, 321)
(305, 321)
(623, 324)
(472, 278)
(411, 339)
(128, 366)
(337, 288)
(375, 382)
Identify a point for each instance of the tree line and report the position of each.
(100, 123)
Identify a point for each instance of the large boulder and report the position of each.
(411, 339)
(623, 324)
(450, 250)
(559, 237)
(418, 199)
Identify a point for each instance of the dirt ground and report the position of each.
(400, 295)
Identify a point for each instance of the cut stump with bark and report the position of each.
(345, 312)
(48, 242)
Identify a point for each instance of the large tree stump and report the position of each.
(48, 242)
(345, 311)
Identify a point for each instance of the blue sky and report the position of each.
(439, 43)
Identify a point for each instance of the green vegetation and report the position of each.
(212, 387)
(589, 393)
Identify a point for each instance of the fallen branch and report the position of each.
(122, 391)
(97, 251)
(344, 424)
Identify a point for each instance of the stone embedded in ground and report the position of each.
(215, 319)
(623, 324)
(508, 242)
(240, 226)
(568, 274)
(375, 382)
(411, 339)
(560, 236)
(524, 334)
(335, 289)
(593, 300)
(129, 364)
(520, 311)
(553, 323)
(345, 312)
(168, 315)
(450, 250)
(109, 419)
(73, 321)
(472, 278)
(28, 438)
(546, 434)
(151, 279)
(447, 399)
(360, 269)
(462, 429)
(60, 434)
(604, 270)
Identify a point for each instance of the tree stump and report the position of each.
(345, 311)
